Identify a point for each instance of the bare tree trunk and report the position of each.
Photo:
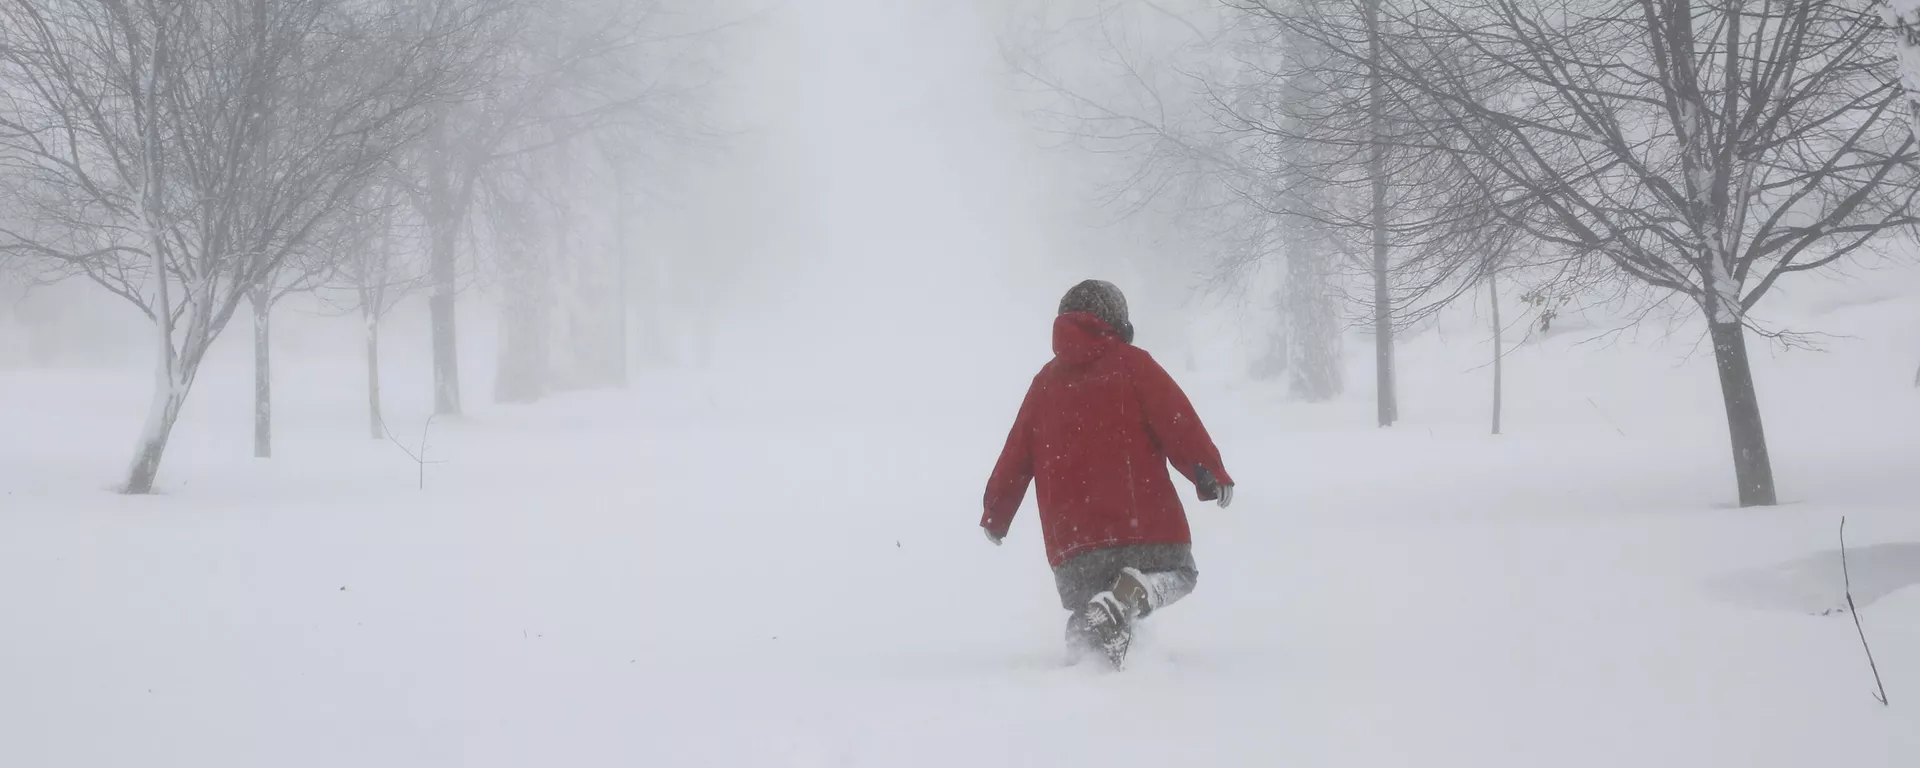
(440, 307)
(522, 370)
(169, 393)
(173, 379)
(1388, 405)
(1753, 471)
(1499, 348)
(621, 243)
(522, 373)
(169, 386)
(375, 421)
(262, 377)
(443, 224)
(1310, 347)
(161, 415)
(1906, 23)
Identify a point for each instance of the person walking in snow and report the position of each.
(1094, 434)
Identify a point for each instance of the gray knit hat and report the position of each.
(1102, 300)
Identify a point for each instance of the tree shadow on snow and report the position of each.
(1815, 585)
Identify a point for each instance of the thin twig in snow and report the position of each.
(420, 457)
(1603, 417)
(1847, 580)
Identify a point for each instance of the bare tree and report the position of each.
(1705, 149)
(1352, 148)
(1904, 15)
(180, 154)
(558, 72)
(1388, 401)
(514, 210)
(1275, 140)
(368, 247)
(302, 271)
(1264, 105)
(1198, 110)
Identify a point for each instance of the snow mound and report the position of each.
(1816, 585)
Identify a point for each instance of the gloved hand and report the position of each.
(990, 536)
(1209, 486)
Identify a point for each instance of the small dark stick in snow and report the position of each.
(419, 458)
(1847, 580)
(1603, 417)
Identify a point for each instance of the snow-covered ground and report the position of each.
(774, 562)
(779, 567)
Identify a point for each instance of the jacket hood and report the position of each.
(1080, 337)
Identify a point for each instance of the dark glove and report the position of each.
(1210, 487)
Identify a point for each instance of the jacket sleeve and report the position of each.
(1007, 488)
(1173, 422)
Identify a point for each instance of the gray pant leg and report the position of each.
(1165, 588)
(1169, 568)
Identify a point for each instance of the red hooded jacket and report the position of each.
(1095, 433)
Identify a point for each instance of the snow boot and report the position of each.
(1112, 627)
(1082, 643)
(1110, 614)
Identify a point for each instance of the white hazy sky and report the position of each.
(885, 195)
